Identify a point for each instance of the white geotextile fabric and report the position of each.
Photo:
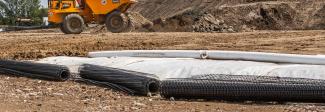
(183, 68)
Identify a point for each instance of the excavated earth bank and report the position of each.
(230, 15)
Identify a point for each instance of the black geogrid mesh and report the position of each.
(35, 70)
(229, 87)
(124, 80)
(254, 78)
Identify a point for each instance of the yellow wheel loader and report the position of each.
(73, 15)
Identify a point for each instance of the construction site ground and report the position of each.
(25, 94)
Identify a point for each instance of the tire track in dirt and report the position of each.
(40, 45)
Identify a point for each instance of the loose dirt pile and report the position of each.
(231, 15)
(191, 20)
(138, 22)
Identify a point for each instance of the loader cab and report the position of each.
(63, 4)
(59, 8)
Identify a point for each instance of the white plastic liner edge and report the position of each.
(267, 57)
(219, 55)
(198, 54)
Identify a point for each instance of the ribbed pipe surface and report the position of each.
(35, 70)
(139, 83)
(235, 88)
(259, 79)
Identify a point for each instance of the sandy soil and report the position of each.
(23, 94)
(238, 15)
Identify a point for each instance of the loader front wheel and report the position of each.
(117, 22)
(72, 24)
(62, 28)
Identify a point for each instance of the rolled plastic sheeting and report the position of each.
(220, 55)
(151, 53)
(267, 57)
(301, 90)
(35, 70)
(140, 83)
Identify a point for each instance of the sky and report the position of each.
(44, 3)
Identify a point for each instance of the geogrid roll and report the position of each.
(35, 70)
(257, 79)
(139, 83)
(234, 90)
(216, 54)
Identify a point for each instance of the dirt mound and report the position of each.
(317, 21)
(261, 16)
(208, 23)
(232, 15)
(138, 22)
(191, 21)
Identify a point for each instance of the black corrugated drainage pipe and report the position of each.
(242, 88)
(133, 82)
(35, 70)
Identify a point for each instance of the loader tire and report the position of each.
(62, 28)
(73, 24)
(117, 22)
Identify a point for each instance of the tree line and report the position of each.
(21, 12)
